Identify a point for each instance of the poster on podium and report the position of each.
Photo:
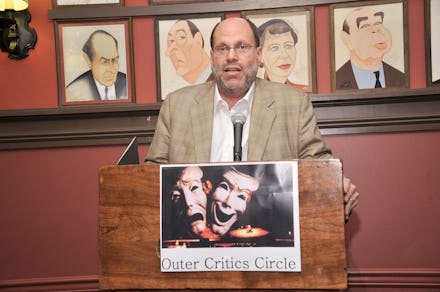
(230, 217)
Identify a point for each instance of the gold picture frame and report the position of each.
(84, 77)
(292, 61)
(70, 3)
(174, 36)
(432, 22)
(369, 40)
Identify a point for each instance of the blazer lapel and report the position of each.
(94, 90)
(261, 122)
(201, 121)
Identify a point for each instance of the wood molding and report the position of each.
(404, 278)
(88, 12)
(371, 278)
(347, 113)
(75, 283)
(77, 126)
(378, 112)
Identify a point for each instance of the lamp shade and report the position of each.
(16, 5)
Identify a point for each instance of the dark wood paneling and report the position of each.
(375, 279)
(347, 113)
(66, 127)
(156, 10)
(378, 111)
(403, 278)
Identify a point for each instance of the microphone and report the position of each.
(238, 120)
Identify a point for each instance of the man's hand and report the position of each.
(351, 197)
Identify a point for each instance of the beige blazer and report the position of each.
(283, 126)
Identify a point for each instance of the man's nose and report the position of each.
(188, 197)
(374, 28)
(114, 66)
(232, 54)
(170, 49)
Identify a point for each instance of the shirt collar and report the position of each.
(366, 78)
(244, 104)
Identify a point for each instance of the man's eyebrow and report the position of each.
(108, 59)
(379, 13)
(360, 19)
(178, 30)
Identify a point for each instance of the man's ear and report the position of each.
(211, 59)
(345, 38)
(260, 57)
(87, 59)
(198, 38)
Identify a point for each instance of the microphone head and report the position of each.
(238, 118)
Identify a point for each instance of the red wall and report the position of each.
(49, 206)
(49, 211)
(396, 222)
(49, 197)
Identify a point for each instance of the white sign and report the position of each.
(230, 217)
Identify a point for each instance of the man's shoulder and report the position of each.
(122, 75)
(390, 69)
(345, 67)
(193, 91)
(393, 76)
(84, 77)
(277, 90)
(344, 77)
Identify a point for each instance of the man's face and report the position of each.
(279, 56)
(230, 198)
(183, 49)
(105, 63)
(235, 73)
(369, 38)
(190, 199)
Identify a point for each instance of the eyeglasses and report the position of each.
(222, 51)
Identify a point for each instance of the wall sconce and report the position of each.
(16, 37)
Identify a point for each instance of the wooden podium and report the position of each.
(129, 234)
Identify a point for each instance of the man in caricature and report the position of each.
(368, 40)
(189, 200)
(185, 48)
(230, 199)
(103, 81)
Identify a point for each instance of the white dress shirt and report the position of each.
(111, 93)
(366, 78)
(222, 145)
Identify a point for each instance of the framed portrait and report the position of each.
(287, 39)
(369, 45)
(161, 2)
(94, 62)
(183, 51)
(432, 20)
(66, 3)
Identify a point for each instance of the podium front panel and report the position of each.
(129, 234)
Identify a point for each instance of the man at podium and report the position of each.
(196, 124)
